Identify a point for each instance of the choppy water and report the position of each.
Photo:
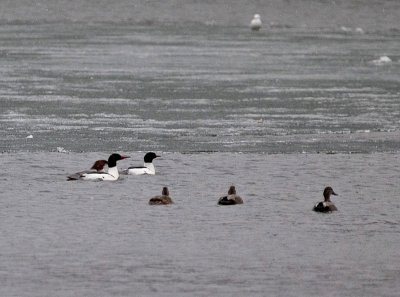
(223, 105)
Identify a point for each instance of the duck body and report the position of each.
(147, 168)
(162, 199)
(326, 205)
(98, 167)
(256, 23)
(231, 199)
(111, 175)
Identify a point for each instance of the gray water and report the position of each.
(128, 84)
(281, 113)
(64, 238)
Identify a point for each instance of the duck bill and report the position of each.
(125, 157)
(333, 193)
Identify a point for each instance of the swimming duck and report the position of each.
(98, 167)
(161, 199)
(111, 175)
(147, 168)
(231, 198)
(326, 205)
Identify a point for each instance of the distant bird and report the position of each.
(111, 175)
(231, 198)
(161, 199)
(256, 23)
(147, 168)
(98, 167)
(326, 205)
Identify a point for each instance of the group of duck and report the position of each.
(98, 173)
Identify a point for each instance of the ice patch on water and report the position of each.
(357, 30)
(346, 29)
(383, 60)
(62, 150)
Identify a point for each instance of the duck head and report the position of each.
(99, 165)
(328, 192)
(112, 160)
(165, 191)
(149, 157)
(232, 190)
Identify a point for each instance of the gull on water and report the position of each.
(256, 23)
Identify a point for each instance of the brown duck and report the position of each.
(98, 166)
(161, 199)
(326, 205)
(231, 198)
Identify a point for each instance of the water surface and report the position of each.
(89, 238)
(308, 101)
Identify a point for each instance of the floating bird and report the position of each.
(161, 199)
(231, 198)
(326, 205)
(112, 173)
(147, 168)
(256, 23)
(98, 167)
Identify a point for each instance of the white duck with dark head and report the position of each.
(147, 168)
(98, 167)
(111, 175)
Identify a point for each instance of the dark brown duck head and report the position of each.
(165, 191)
(99, 165)
(232, 190)
(231, 199)
(327, 194)
(161, 199)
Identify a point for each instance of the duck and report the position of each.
(231, 198)
(97, 167)
(147, 168)
(111, 175)
(162, 199)
(256, 23)
(326, 205)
